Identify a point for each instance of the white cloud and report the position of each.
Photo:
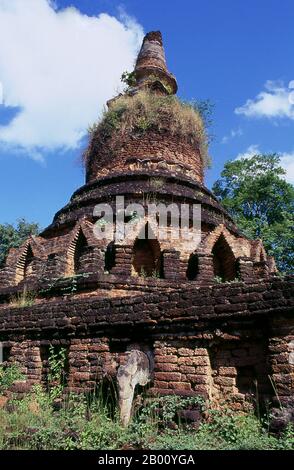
(234, 133)
(274, 102)
(287, 160)
(250, 152)
(59, 67)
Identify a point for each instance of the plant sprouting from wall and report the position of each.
(23, 299)
(56, 375)
(128, 78)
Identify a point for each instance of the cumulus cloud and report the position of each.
(276, 101)
(59, 67)
(287, 160)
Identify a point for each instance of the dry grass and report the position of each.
(22, 299)
(143, 111)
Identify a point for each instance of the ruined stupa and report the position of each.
(210, 318)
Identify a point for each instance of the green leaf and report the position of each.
(255, 193)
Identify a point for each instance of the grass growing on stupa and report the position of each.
(144, 111)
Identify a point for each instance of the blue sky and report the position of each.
(58, 67)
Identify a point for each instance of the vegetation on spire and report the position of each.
(135, 115)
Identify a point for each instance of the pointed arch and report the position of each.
(77, 253)
(81, 251)
(24, 266)
(147, 255)
(224, 261)
(239, 246)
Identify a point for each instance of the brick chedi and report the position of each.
(152, 308)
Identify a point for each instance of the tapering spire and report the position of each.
(151, 63)
(152, 52)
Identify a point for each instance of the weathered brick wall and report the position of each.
(88, 358)
(240, 370)
(225, 370)
(216, 341)
(26, 353)
(156, 150)
(181, 368)
(281, 359)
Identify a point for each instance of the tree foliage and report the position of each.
(255, 193)
(12, 236)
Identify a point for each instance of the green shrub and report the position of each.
(56, 375)
(128, 78)
(236, 431)
(286, 440)
(8, 375)
(34, 422)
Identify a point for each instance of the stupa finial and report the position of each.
(151, 63)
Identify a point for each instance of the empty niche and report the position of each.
(246, 380)
(24, 268)
(193, 268)
(80, 254)
(5, 352)
(147, 256)
(224, 262)
(109, 262)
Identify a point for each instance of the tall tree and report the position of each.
(255, 193)
(12, 236)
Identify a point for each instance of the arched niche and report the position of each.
(224, 262)
(193, 267)
(28, 266)
(24, 268)
(80, 254)
(147, 256)
(109, 260)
